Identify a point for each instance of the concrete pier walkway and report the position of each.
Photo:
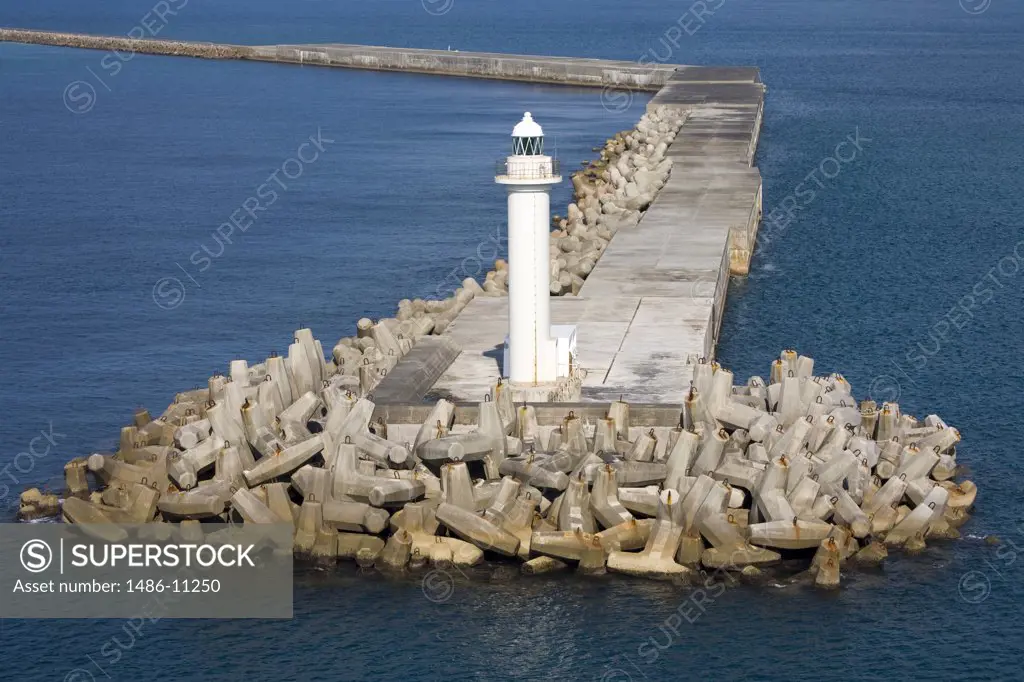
(655, 299)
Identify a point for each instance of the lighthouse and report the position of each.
(534, 352)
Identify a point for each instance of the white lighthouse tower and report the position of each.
(533, 354)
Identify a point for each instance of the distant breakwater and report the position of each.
(620, 75)
(171, 48)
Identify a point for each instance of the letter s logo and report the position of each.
(36, 556)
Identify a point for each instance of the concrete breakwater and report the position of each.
(657, 302)
(528, 68)
(610, 194)
(742, 477)
(170, 48)
(653, 302)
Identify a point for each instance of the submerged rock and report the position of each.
(34, 504)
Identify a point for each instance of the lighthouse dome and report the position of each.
(527, 127)
(527, 137)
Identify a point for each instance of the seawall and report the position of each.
(527, 68)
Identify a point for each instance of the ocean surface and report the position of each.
(903, 271)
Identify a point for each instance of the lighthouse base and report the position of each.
(564, 390)
(569, 377)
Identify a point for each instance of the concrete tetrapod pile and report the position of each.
(611, 194)
(252, 412)
(752, 475)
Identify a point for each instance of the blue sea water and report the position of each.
(902, 271)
